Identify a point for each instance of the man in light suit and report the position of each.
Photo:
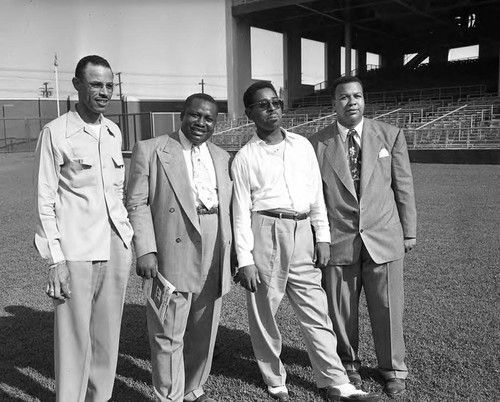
(368, 189)
(178, 199)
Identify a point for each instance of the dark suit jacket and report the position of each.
(386, 213)
(163, 212)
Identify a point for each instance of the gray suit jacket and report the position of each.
(386, 212)
(163, 212)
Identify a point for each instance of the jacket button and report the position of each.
(178, 240)
(171, 210)
(361, 231)
(354, 212)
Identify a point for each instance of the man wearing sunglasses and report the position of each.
(277, 197)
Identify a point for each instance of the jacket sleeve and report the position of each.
(402, 185)
(46, 182)
(138, 202)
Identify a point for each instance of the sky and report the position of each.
(162, 48)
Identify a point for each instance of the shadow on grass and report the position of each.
(27, 355)
(235, 359)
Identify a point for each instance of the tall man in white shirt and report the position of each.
(178, 198)
(277, 197)
(83, 233)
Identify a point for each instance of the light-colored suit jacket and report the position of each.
(163, 214)
(386, 212)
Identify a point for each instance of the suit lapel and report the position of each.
(370, 147)
(337, 158)
(172, 160)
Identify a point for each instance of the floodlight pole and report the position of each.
(202, 83)
(56, 65)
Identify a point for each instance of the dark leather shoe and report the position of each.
(280, 396)
(333, 394)
(394, 386)
(204, 398)
(354, 378)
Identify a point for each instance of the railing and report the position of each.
(466, 126)
(454, 138)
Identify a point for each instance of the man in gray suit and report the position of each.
(368, 188)
(178, 200)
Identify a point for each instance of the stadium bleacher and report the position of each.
(459, 117)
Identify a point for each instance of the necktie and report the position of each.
(201, 178)
(354, 159)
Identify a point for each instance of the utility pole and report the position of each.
(46, 91)
(124, 118)
(202, 83)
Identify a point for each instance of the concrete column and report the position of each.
(292, 65)
(361, 62)
(332, 59)
(438, 55)
(239, 65)
(391, 59)
(348, 48)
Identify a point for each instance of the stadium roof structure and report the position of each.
(410, 26)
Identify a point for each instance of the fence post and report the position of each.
(27, 132)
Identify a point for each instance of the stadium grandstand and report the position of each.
(442, 104)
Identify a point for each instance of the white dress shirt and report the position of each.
(344, 130)
(207, 161)
(286, 179)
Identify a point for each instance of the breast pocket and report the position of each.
(118, 169)
(82, 172)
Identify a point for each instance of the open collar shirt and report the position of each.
(79, 180)
(264, 180)
(206, 159)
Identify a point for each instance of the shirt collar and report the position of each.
(186, 144)
(344, 130)
(286, 136)
(75, 124)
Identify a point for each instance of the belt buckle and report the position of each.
(296, 216)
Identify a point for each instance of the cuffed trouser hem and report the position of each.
(389, 374)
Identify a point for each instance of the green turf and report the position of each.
(451, 320)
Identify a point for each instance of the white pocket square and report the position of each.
(383, 153)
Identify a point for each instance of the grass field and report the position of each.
(452, 316)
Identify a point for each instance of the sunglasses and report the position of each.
(265, 104)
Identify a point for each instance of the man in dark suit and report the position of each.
(368, 189)
(178, 199)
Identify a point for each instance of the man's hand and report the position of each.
(321, 254)
(147, 265)
(58, 282)
(248, 277)
(409, 243)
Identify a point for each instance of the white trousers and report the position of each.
(87, 326)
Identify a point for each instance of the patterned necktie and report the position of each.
(354, 159)
(201, 178)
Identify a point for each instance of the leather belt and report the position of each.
(202, 210)
(284, 215)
